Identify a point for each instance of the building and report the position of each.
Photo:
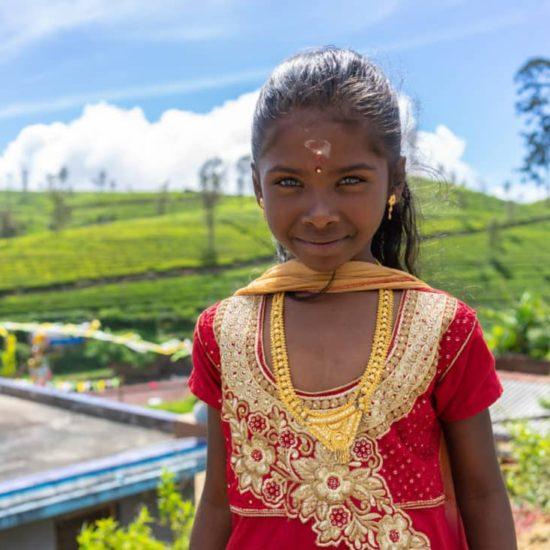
(72, 458)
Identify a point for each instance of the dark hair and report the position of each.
(351, 84)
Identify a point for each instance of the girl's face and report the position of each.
(324, 189)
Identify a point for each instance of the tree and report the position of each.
(510, 204)
(61, 211)
(533, 80)
(243, 174)
(100, 181)
(63, 176)
(24, 180)
(211, 175)
(163, 198)
(8, 225)
(51, 179)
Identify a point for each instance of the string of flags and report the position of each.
(62, 334)
(80, 386)
(55, 332)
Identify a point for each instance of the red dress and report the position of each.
(287, 491)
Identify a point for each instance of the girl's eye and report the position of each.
(288, 182)
(351, 180)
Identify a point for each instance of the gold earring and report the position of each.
(261, 202)
(392, 200)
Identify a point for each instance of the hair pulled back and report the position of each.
(351, 84)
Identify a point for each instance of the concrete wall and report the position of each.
(39, 535)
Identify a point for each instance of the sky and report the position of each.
(147, 91)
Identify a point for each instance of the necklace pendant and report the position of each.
(336, 429)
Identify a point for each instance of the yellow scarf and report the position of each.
(351, 276)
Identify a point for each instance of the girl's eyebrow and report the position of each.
(297, 171)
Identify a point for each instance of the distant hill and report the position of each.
(134, 262)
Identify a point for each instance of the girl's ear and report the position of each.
(256, 182)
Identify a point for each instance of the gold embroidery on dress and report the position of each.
(218, 318)
(254, 513)
(286, 468)
(418, 504)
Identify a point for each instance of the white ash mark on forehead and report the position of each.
(320, 147)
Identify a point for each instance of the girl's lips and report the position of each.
(320, 245)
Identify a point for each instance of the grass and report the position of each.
(173, 302)
(81, 376)
(182, 406)
(138, 246)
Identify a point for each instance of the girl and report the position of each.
(347, 398)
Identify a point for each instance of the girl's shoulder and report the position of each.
(462, 312)
(210, 318)
(459, 323)
(206, 318)
(461, 337)
(207, 327)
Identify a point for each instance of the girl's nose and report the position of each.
(321, 214)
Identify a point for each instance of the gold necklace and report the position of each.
(335, 428)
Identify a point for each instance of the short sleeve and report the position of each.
(205, 379)
(471, 383)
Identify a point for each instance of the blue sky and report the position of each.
(455, 59)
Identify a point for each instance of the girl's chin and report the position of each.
(322, 263)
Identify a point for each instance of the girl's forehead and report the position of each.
(317, 134)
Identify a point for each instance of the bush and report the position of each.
(108, 534)
(527, 479)
(107, 354)
(525, 329)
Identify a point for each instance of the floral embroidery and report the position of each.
(362, 449)
(287, 469)
(257, 423)
(255, 460)
(345, 503)
(287, 439)
(272, 490)
(394, 534)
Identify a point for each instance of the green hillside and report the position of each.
(132, 246)
(459, 255)
(33, 211)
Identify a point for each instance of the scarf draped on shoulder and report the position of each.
(351, 276)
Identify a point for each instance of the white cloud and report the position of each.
(443, 150)
(141, 155)
(135, 152)
(526, 192)
(433, 154)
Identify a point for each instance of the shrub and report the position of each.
(524, 329)
(174, 512)
(527, 478)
